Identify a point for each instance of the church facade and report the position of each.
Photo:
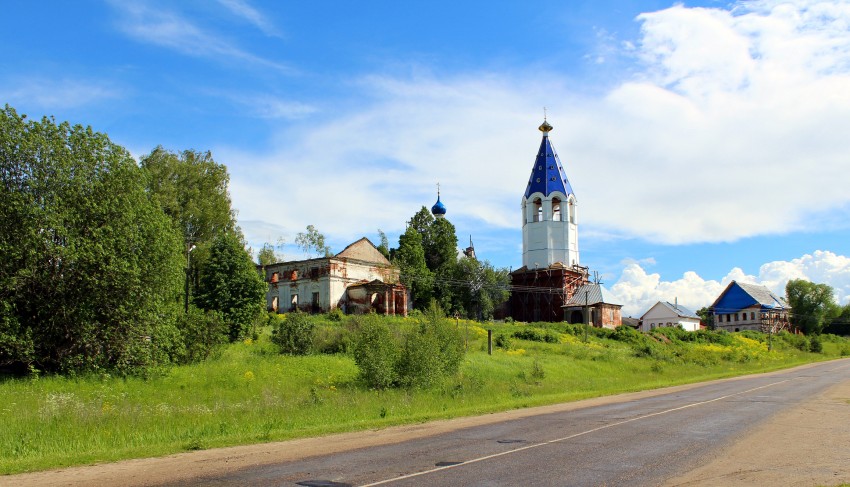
(357, 280)
(551, 270)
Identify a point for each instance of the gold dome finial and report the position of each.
(545, 127)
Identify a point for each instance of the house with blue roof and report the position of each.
(667, 314)
(744, 306)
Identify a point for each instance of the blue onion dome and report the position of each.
(439, 209)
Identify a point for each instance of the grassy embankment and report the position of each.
(253, 394)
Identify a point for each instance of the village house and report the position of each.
(357, 280)
(593, 303)
(666, 314)
(750, 307)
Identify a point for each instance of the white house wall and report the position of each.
(661, 316)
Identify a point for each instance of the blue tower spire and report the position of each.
(547, 175)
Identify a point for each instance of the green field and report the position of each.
(251, 393)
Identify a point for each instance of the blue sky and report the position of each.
(706, 141)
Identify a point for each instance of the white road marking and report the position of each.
(575, 435)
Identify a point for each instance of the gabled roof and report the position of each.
(679, 311)
(594, 294)
(365, 250)
(547, 175)
(738, 296)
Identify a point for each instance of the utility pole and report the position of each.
(586, 316)
(189, 249)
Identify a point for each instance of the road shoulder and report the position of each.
(803, 446)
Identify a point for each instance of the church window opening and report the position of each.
(572, 212)
(274, 304)
(556, 209)
(538, 210)
(293, 305)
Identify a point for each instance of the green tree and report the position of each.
(440, 244)
(313, 240)
(421, 221)
(384, 247)
(90, 266)
(193, 190)
(840, 324)
(266, 255)
(707, 316)
(410, 259)
(812, 305)
(483, 288)
(229, 283)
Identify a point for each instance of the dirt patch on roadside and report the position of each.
(806, 446)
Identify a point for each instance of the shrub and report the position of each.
(536, 335)
(419, 363)
(800, 342)
(331, 339)
(335, 315)
(204, 333)
(375, 353)
(815, 344)
(294, 334)
(432, 350)
(502, 341)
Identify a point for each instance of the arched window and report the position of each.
(572, 211)
(538, 210)
(556, 209)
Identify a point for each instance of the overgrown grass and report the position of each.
(251, 393)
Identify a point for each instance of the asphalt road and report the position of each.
(639, 442)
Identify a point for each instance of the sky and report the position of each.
(705, 141)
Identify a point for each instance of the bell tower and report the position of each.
(549, 216)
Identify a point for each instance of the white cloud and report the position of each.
(242, 9)
(165, 28)
(54, 94)
(733, 126)
(639, 290)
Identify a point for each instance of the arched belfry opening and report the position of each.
(556, 209)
